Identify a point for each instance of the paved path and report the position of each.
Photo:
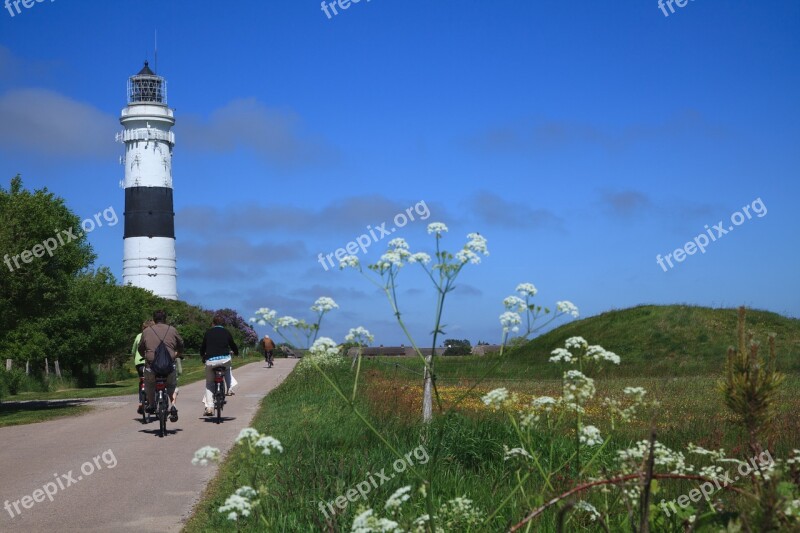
(116, 473)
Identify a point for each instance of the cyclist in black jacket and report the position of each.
(216, 350)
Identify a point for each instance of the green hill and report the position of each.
(669, 340)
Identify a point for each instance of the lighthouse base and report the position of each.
(149, 263)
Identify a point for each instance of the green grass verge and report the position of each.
(19, 414)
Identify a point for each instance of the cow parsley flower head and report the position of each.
(567, 307)
(206, 454)
(359, 335)
(398, 242)
(437, 227)
(515, 304)
(598, 353)
(510, 320)
(468, 256)
(392, 258)
(268, 445)
(367, 522)
(324, 304)
(459, 514)
(397, 499)
(419, 257)
(324, 347)
(578, 388)
(240, 503)
(636, 392)
(527, 289)
(349, 261)
(477, 243)
(286, 322)
(590, 436)
(561, 355)
(514, 453)
(248, 434)
(497, 398)
(264, 316)
(587, 508)
(578, 343)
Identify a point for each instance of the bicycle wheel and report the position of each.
(143, 403)
(219, 398)
(162, 415)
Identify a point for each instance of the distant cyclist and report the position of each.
(215, 350)
(269, 346)
(138, 360)
(151, 338)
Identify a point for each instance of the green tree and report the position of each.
(457, 347)
(31, 289)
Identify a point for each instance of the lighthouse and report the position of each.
(149, 239)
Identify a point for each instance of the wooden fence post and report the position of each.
(58, 369)
(46, 367)
(27, 368)
(9, 364)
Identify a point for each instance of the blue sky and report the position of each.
(580, 139)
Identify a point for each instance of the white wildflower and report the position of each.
(509, 320)
(793, 509)
(398, 242)
(588, 508)
(567, 307)
(239, 504)
(576, 342)
(437, 227)
(590, 436)
(349, 261)
(324, 304)
(459, 514)
(468, 256)
(514, 453)
(578, 388)
(497, 398)
(561, 355)
(420, 257)
(359, 335)
(390, 259)
(286, 322)
(367, 522)
(397, 499)
(477, 243)
(515, 304)
(206, 454)
(598, 353)
(527, 289)
(268, 444)
(248, 434)
(637, 393)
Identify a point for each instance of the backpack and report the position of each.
(162, 364)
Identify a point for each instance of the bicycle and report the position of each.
(269, 358)
(219, 391)
(162, 404)
(143, 401)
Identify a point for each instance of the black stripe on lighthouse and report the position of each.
(149, 212)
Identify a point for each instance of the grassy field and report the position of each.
(329, 450)
(13, 413)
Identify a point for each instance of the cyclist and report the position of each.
(268, 345)
(138, 360)
(215, 350)
(151, 338)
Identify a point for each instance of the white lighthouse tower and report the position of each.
(149, 240)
